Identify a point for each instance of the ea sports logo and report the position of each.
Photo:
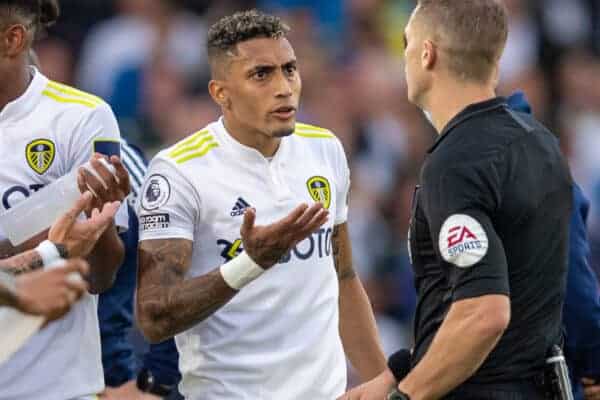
(459, 233)
(463, 241)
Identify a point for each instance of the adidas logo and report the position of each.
(239, 207)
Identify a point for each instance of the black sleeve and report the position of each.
(459, 205)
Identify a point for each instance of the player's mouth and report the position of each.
(285, 112)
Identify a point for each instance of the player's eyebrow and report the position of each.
(261, 68)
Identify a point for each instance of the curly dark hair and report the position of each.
(226, 33)
(39, 14)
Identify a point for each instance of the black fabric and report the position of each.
(509, 391)
(504, 171)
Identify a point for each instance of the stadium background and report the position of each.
(147, 59)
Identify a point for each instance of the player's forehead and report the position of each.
(264, 51)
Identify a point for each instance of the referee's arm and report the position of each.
(454, 355)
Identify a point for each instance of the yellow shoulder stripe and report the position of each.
(300, 125)
(65, 90)
(191, 147)
(192, 138)
(312, 131)
(61, 99)
(197, 154)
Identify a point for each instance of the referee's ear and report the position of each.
(218, 92)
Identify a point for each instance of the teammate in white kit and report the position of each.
(273, 321)
(47, 130)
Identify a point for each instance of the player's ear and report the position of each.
(218, 92)
(15, 40)
(428, 55)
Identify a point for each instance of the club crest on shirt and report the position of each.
(319, 190)
(156, 193)
(463, 241)
(40, 155)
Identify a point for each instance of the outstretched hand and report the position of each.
(267, 244)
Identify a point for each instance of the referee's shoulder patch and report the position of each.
(463, 242)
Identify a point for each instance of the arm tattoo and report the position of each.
(22, 263)
(168, 303)
(342, 252)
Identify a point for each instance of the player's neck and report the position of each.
(451, 98)
(264, 144)
(16, 81)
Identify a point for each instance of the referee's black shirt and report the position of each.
(491, 216)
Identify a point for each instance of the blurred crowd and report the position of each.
(147, 59)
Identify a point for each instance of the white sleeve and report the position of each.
(98, 132)
(168, 206)
(342, 184)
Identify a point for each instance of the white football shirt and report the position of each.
(49, 131)
(278, 337)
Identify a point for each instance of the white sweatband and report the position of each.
(48, 253)
(240, 271)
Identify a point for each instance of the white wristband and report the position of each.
(240, 271)
(48, 253)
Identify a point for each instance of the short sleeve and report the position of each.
(168, 206)
(342, 184)
(98, 132)
(459, 205)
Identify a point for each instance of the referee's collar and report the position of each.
(469, 112)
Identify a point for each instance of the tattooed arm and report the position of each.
(21, 263)
(357, 323)
(167, 303)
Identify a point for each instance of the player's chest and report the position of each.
(30, 158)
(273, 189)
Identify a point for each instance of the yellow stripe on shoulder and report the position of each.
(189, 140)
(300, 125)
(199, 143)
(312, 131)
(68, 91)
(197, 154)
(69, 100)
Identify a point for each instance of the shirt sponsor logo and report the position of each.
(40, 155)
(154, 222)
(463, 241)
(318, 244)
(156, 192)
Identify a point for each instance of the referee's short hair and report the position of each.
(228, 32)
(472, 33)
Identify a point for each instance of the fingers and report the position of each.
(92, 183)
(310, 221)
(248, 223)
(588, 381)
(294, 215)
(308, 214)
(107, 179)
(122, 176)
(76, 265)
(65, 223)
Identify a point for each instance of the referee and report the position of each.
(489, 223)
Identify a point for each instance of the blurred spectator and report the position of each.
(117, 51)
